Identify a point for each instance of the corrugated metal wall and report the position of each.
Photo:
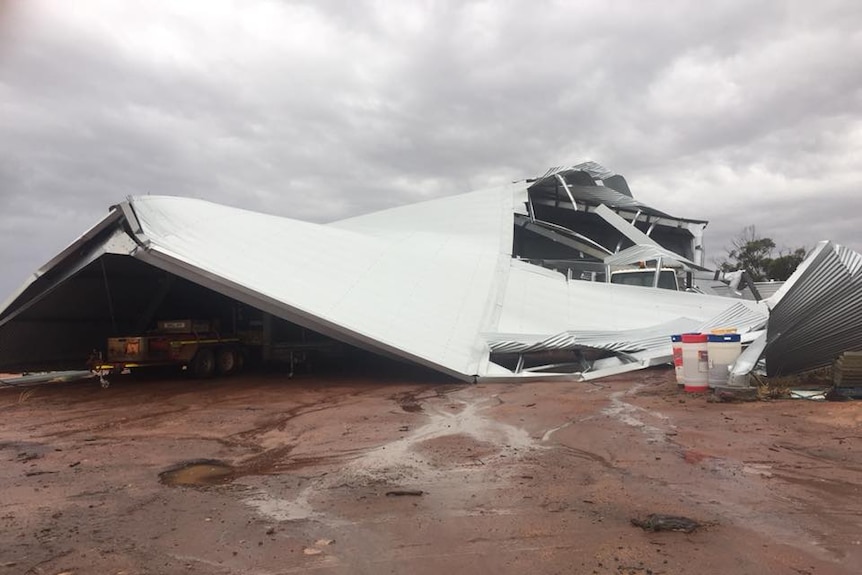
(819, 313)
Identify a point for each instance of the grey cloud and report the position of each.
(710, 110)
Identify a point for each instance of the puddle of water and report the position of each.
(198, 473)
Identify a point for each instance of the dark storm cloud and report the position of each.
(736, 112)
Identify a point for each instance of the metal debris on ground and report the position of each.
(403, 492)
(31, 379)
(811, 394)
(657, 522)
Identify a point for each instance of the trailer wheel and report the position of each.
(203, 363)
(227, 361)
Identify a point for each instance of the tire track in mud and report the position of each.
(125, 421)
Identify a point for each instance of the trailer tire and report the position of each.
(227, 360)
(203, 364)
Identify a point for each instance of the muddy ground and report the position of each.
(374, 474)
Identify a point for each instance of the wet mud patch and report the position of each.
(696, 457)
(25, 450)
(412, 401)
(208, 472)
(408, 401)
(456, 449)
(198, 473)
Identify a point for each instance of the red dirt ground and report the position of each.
(529, 478)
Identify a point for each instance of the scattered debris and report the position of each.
(316, 549)
(657, 522)
(782, 387)
(403, 492)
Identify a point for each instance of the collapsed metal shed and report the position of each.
(498, 284)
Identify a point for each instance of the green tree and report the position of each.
(753, 253)
(785, 264)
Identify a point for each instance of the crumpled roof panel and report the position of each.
(593, 184)
(640, 253)
(540, 301)
(817, 313)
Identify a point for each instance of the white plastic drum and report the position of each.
(723, 350)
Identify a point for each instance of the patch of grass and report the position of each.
(779, 387)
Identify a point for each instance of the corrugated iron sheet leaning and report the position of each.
(541, 278)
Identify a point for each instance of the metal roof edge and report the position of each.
(113, 217)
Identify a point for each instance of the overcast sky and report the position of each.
(738, 112)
